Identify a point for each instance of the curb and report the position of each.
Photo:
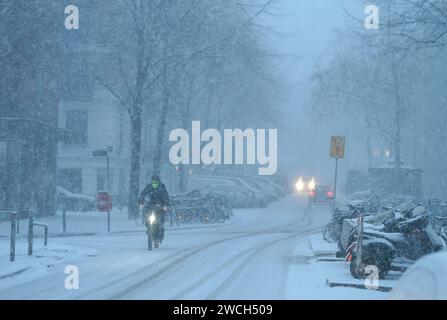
(15, 273)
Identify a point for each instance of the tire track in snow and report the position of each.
(234, 275)
(258, 249)
(143, 282)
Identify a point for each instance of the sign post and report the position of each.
(335, 178)
(104, 198)
(337, 152)
(105, 153)
(104, 204)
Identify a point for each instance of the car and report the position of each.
(321, 194)
(74, 202)
(238, 191)
(261, 188)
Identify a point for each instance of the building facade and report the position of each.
(94, 121)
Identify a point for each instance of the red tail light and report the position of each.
(312, 193)
(330, 194)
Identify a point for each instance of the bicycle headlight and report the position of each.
(152, 218)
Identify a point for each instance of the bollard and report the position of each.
(46, 236)
(64, 220)
(12, 253)
(30, 233)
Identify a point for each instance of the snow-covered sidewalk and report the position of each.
(90, 223)
(78, 223)
(41, 263)
(45, 257)
(313, 266)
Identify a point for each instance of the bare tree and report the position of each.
(140, 58)
(422, 22)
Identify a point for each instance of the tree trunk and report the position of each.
(162, 126)
(182, 171)
(397, 139)
(397, 159)
(368, 147)
(134, 181)
(136, 114)
(186, 118)
(182, 179)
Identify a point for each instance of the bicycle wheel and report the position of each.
(328, 233)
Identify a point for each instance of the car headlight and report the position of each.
(300, 185)
(311, 185)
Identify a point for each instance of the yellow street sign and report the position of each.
(338, 147)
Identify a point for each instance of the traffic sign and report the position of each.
(338, 147)
(103, 202)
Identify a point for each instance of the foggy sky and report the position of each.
(309, 26)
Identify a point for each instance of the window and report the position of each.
(71, 180)
(76, 122)
(101, 182)
(2, 153)
(101, 179)
(78, 86)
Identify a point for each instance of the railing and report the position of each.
(15, 225)
(14, 230)
(31, 226)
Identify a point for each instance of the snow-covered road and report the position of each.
(245, 258)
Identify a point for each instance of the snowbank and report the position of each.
(425, 280)
(72, 195)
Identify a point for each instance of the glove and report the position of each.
(165, 208)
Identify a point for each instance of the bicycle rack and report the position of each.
(31, 226)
